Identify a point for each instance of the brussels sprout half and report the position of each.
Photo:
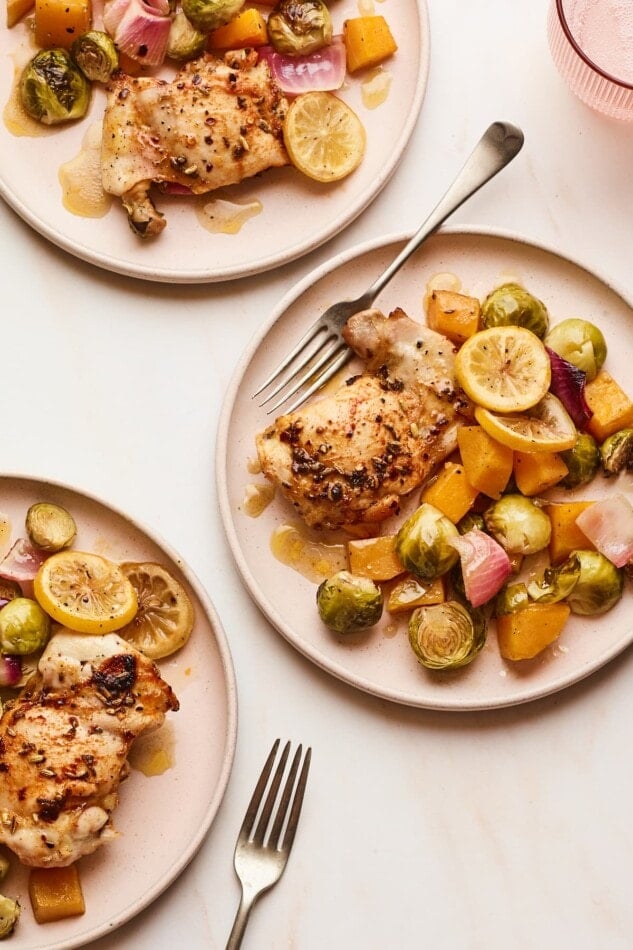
(96, 55)
(185, 41)
(616, 452)
(582, 461)
(446, 636)
(207, 15)
(297, 27)
(348, 602)
(518, 524)
(579, 342)
(53, 89)
(9, 915)
(50, 527)
(599, 586)
(24, 627)
(513, 305)
(422, 543)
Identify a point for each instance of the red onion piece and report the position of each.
(568, 384)
(140, 29)
(10, 670)
(321, 71)
(485, 565)
(22, 562)
(609, 526)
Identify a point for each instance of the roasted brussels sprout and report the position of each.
(582, 461)
(556, 582)
(9, 915)
(96, 55)
(513, 305)
(24, 627)
(469, 521)
(53, 89)
(422, 543)
(599, 586)
(207, 15)
(296, 27)
(579, 342)
(511, 598)
(185, 41)
(616, 452)
(348, 602)
(518, 524)
(50, 527)
(446, 636)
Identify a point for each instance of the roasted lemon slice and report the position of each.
(547, 427)
(504, 369)
(165, 615)
(324, 138)
(85, 592)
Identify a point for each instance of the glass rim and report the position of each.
(589, 62)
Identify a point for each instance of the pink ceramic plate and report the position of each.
(162, 819)
(297, 214)
(382, 663)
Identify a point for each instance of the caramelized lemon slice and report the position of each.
(324, 138)
(85, 592)
(547, 427)
(504, 369)
(165, 615)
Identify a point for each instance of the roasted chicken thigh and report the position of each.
(216, 123)
(64, 744)
(350, 457)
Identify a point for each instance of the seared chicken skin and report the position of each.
(217, 122)
(350, 457)
(64, 744)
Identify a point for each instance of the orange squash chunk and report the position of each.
(60, 22)
(566, 535)
(452, 314)
(247, 29)
(612, 408)
(375, 558)
(451, 492)
(411, 592)
(535, 472)
(368, 41)
(487, 463)
(525, 633)
(55, 893)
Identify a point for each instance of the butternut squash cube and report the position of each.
(16, 9)
(375, 558)
(455, 315)
(487, 463)
(60, 22)
(535, 472)
(566, 535)
(55, 893)
(451, 492)
(612, 409)
(248, 28)
(368, 41)
(526, 633)
(411, 592)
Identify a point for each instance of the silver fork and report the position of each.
(261, 852)
(317, 364)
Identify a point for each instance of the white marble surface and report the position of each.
(420, 829)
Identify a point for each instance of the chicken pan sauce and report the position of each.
(471, 482)
(79, 637)
(194, 99)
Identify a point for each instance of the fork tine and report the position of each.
(262, 781)
(306, 359)
(295, 810)
(311, 334)
(275, 834)
(340, 361)
(335, 346)
(262, 824)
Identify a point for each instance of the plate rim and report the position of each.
(230, 734)
(323, 270)
(262, 264)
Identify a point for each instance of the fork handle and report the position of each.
(496, 148)
(241, 919)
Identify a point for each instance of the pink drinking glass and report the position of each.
(591, 42)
